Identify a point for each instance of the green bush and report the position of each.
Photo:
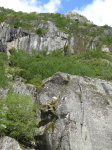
(106, 26)
(39, 31)
(45, 65)
(56, 52)
(3, 76)
(104, 40)
(18, 23)
(18, 116)
(36, 80)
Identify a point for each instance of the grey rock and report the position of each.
(7, 143)
(3, 92)
(3, 48)
(19, 38)
(20, 87)
(80, 44)
(83, 109)
(76, 17)
(53, 40)
(52, 27)
(108, 31)
(76, 112)
(105, 49)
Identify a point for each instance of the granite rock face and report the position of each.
(83, 107)
(48, 25)
(75, 112)
(76, 17)
(7, 143)
(21, 39)
(80, 44)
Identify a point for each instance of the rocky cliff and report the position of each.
(76, 113)
(77, 32)
(21, 39)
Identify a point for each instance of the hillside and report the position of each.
(70, 35)
(38, 30)
(53, 91)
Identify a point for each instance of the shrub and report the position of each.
(57, 53)
(18, 23)
(18, 116)
(36, 80)
(39, 31)
(106, 26)
(3, 77)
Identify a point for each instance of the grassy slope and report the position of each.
(33, 68)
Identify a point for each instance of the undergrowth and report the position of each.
(35, 68)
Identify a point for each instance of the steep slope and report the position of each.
(75, 111)
(54, 31)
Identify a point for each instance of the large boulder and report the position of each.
(75, 113)
(82, 116)
(7, 143)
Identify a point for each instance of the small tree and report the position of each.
(18, 116)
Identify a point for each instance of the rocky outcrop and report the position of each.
(50, 26)
(21, 39)
(76, 17)
(80, 41)
(75, 112)
(83, 107)
(19, 87)
(81, 44)
(7, 143)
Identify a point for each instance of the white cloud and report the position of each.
(31, 5)
(99, 12)
(52, 6)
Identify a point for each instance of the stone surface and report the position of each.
(21, 39)
(80, 44)
(50, 26)
(7, 143)
(20, 87)
(105, 48)
(76, 112)
(83, 110)
(76, 17)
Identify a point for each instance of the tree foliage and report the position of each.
(18, 116)
(3, 76)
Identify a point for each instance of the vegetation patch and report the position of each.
(51, 125)
(18, 116)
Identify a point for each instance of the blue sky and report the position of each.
(69, 5)
(97, 11)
